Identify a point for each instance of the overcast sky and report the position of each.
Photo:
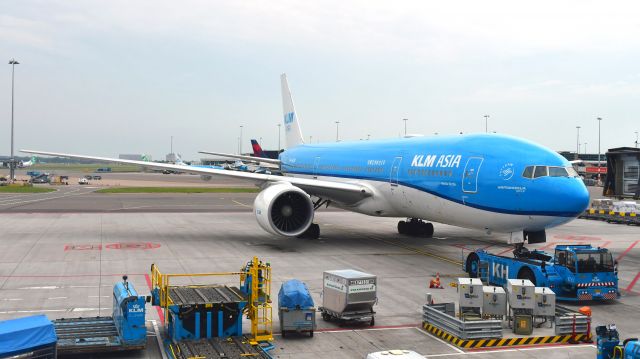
(110, 77)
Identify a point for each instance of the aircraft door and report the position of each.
(316, 162)
(470, 175)
(395, 170)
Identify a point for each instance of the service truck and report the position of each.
(573, 272)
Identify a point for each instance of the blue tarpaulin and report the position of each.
(294, 294)
(25, 333)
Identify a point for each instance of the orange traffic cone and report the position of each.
(435, 283)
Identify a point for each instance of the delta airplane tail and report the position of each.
(257, 149)
(293, 134)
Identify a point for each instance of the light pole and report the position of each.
(405, 126)
(279, 137)
(636, 139)
(310, 138)
(240, 146)
(599, 122)
(369, 137)
(486, 123)
(337, 131)
(12, 163)
(585, 148)
(578, 142)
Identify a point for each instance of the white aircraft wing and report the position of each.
(242, 157)
(341, 192)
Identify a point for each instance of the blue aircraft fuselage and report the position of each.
(487, 172)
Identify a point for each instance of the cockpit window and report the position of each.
(551, 171)
(528, 172)
(572, 172)
(540, 171)
(558, 172)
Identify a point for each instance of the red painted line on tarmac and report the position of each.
(402, 326)
(605, 244)
(527, 347)
(633, 282)
(70, 275)
(160, 312)
(487, 247)
(627, 251)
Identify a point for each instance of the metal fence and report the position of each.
(475, 329)
(565, 319)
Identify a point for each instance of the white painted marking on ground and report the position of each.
(39, 288)
(159, 339)
(478, 352)
(54, 298)
(11, 299)
(456, 349)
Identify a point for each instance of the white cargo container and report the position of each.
(521, 294)
(348, 295)
(545, 300)
(494, 301)
(470, 293)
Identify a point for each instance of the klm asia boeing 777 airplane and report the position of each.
(489, 182)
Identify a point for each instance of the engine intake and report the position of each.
(284, 210)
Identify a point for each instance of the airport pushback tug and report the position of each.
(573, 272)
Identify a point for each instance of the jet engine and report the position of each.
(205, 177)
(284, 210)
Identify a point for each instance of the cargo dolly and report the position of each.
(124, 330)
(232, 347)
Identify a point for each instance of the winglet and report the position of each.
(293, 134)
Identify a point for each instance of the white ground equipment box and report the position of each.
(494, 301)
(545, 300)
(470, 292)
(521, 294)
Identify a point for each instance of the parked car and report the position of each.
(97, 177)
(83, 181)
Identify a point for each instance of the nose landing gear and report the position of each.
(415, 227)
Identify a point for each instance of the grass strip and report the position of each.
(178, 190)
(24, 189)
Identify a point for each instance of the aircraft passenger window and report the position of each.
(528, 172)
(557, 172)
(540, 171)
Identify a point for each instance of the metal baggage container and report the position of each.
(470, 293)
(348, 295)
(545, 300)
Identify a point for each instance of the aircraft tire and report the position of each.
(314, 232)
(428, 229)
(403, 227)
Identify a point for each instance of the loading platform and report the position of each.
(204, 295)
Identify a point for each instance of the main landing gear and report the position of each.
(415, 227)
(313, 232)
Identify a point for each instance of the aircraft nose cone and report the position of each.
(577, 197)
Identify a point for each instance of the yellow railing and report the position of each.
(259, 308)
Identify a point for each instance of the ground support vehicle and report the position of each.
(349, 296)
(28, 337)
(203, 319)
(609, 347)
(124, 330)
(295, 308)
(573, 272)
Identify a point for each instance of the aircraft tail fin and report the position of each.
(257, 149)
(293, 134)
(179, 160)
(34, 160)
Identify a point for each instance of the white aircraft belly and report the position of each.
(402, 201)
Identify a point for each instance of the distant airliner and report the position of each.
(490, 182)
(29, 163)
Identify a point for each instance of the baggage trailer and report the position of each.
(295, 308)
(124, 330)
(573, 272)
(349, 296)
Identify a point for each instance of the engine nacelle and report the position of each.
(284, 210)
(205, 177)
